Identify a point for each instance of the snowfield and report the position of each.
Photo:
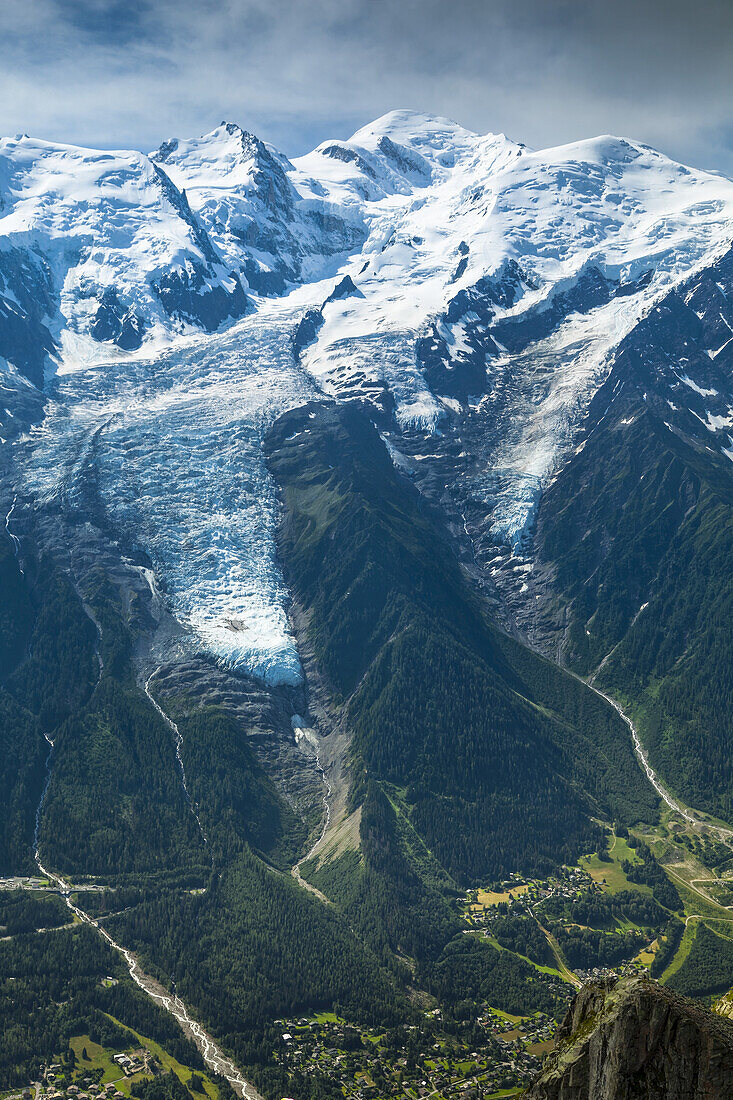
(524, 269)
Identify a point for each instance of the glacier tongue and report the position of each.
(173, 448)
(555, 379)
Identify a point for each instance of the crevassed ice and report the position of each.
(175, 448)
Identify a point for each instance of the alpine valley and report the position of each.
(366, 672)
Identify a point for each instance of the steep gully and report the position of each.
(212, 1055)
(302, 733)
(14, 538)
(178, 741)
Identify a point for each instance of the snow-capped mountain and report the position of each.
(555, 234)
(473, 291)
(99, 247)
(246, 195)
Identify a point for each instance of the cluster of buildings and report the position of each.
(598, 973)
(54, 1087)
(138, 1061)
(571, 883)
(55, 1079)
(364, 1069)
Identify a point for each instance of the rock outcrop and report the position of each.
(632, 1039)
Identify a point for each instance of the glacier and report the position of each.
(174, 446)
(448, 278)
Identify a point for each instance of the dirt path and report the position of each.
(562, 966)
(40, 932)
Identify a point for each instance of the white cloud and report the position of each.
(108, 72)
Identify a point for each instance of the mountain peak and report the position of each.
(226, 141)
(420, 132)
(440, 143)
(404, 120)
(228, 153)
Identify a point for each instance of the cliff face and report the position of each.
(633, 1039)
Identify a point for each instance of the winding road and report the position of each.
(563, 968)
(641, 755)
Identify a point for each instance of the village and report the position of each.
(533, 898)
(496, 1053)
(426, 1060)
(70, 1081)
(489, 1052)
(567, 884)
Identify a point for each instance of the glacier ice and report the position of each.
(174, 448)
(411, 212)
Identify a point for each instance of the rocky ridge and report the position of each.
(633, 1039)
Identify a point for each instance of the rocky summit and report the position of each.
(632, 1039)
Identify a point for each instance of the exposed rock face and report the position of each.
(27, 300)
(635, 1040)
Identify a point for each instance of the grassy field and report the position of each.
(169, 1063)
(683, 950)
(646, 955)
(100, 1058)
(508, 1016)
(611, 875)
(97, 1058)
(485, 899)
(541, 1049)
(555, 972)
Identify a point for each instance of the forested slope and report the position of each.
(471, 727)
(638, 528)
(212, 909)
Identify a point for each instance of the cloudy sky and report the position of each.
(130, 73)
